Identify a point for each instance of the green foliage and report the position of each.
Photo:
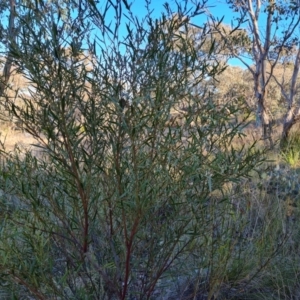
(123, 203)
(291, 150)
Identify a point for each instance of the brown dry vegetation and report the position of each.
(233, 83)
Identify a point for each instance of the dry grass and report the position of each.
(11, 138)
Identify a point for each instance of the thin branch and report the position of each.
(286, 96)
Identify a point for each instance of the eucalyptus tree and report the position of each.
(265, 25)
(290, 58)
(7, 40)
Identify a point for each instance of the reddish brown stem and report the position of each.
(33, 290)
(80, 188)
(128, 255)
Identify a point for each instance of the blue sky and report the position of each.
(218, 8)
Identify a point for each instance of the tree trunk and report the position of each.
(260, 93)
(11, 38)
(291, 118)
(265, 121)
(293, 114)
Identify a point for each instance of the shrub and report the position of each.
(120, 198)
